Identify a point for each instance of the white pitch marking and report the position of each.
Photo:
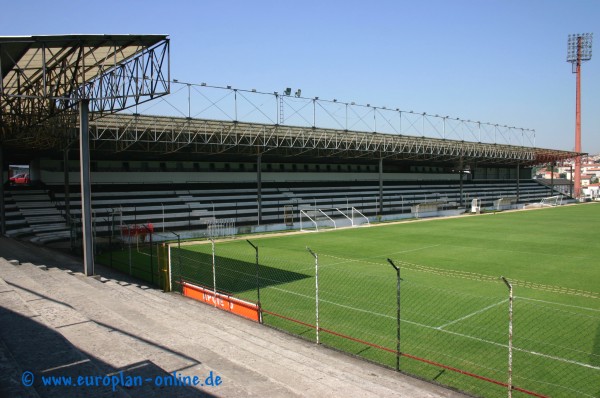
(471, 314)
(555, 303)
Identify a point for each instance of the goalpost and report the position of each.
(504, 203)
(288, 215)
(476, 206)
(220, 227)
(358, 218)
(311, 219)
(551, 201)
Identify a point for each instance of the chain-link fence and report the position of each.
(476, 335)
(137, 250)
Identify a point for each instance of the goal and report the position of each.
(220, 227)
(551, 201)
(313, 219)
(504, 203)
(288, 215)
(358, 218)
(476, 206)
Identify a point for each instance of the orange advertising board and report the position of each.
(223, 301)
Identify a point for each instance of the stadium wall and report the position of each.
(145, 172)
(55, 178)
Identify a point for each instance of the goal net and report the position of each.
(358, 218)
(551, 201)
(288, 215)
(504, 203)
(313, 219)
(220, 227)
(476, 206)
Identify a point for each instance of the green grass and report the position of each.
(137, 262)
(454, 307)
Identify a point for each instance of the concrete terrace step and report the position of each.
(44, 219)
(34, 207)
(44, 238)
(125, 353)
(123, 324)
(117, 308)
(10, 370)
(19, 232)
(41, 348)
(42, 228)
(180, 311)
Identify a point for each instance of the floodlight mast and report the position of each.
(579, 50)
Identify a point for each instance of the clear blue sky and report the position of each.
(487, 60)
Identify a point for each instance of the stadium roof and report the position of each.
(170, 135)
(44, 76)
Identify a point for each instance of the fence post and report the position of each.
(110, 249)
(397, 313)
(510, 334)
(257, 282)
(214, 272)
(129, 247)
(151, 256)
(316, 290)
(171, 273)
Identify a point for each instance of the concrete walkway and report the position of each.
(56, 322)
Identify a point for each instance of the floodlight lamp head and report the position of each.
(287, 91)
(298, 93)
(579, 47)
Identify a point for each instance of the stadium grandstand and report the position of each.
(181, 171)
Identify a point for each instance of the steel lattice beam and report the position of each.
(44, 78)
(120, 132)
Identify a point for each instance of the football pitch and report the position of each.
(454, 306)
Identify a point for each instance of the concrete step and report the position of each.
(180, 317)
(19, 232)
(11, 224)
(45, 219)
(10, 370)
(114, 326)
(31, 195)
(181, 312)
(41, 348)
(44, 238)
(30, 211)
(42, 228)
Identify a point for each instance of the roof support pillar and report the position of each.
(460, 171)
(259, 187)
(2, 207)
(67, 183)
(552, 178)
(518, 181)
(86, 191)
(380, 186)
